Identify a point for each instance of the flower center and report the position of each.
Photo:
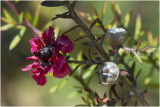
(45, 53)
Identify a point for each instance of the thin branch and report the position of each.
(84, 62)
(74, 27)
(138, 95)
(26, 22)
(85, 28)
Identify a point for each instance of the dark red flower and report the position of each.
(47, 56)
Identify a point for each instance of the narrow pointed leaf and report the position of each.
(51, 3)
(28, 16)
(150, 50)
(150, 38)
(7, 15)
(36, 18)
(138, 57)
(21, 18)
(73, 94)
(53, 89)
(56, 30)
(127, 19)
(94, 101)
(104, 9)
(6, 27)
(138, 44)
(142, 45)
(137, 28)
(17, 38)
(155, 41)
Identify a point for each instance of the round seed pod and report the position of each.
(109, 73)
(116, 36)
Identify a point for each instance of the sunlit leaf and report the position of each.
(138, 44)
(155, 41)
(138, 28)
(104, 9)
(8, 21)
(18, 37)
(53, 89)
(28, 16)
(89, 72)
(143, 44)
(58, 86)
(85, 97)
(51, 3)
(94, 101)
(127, 19)
(6, 27)
(21, 18)
(115, 7)
(56, 30)
(147, 80)
(7, 15)
(73, 94)
(138, 57)
(150, 50)
(35, 20)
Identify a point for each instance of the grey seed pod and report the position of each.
(109, 73)
(116, 36)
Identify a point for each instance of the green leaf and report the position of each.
(94, 101)
(137, 28)
(21, 18)
(147, 80)
(86, 98)
(143, 44)
(7, 15)
(104, 9)
(56, 30)
(6, 27)
(150, 50)
(58, 86)
(138, 57)
(53, 89)
(28, 16)
(127, 19)
(51, 3)
(89, 72)
(73, 94)
(35, 20)
(18, 37)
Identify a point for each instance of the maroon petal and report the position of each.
(40, 79)
(33, 65)
(65, 44)
(36, 44)
(47, 37)
(60, 68)
(63, 72)
(32, 58)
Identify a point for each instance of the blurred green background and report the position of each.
(19, 89)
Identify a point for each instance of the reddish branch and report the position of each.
(26, 22)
